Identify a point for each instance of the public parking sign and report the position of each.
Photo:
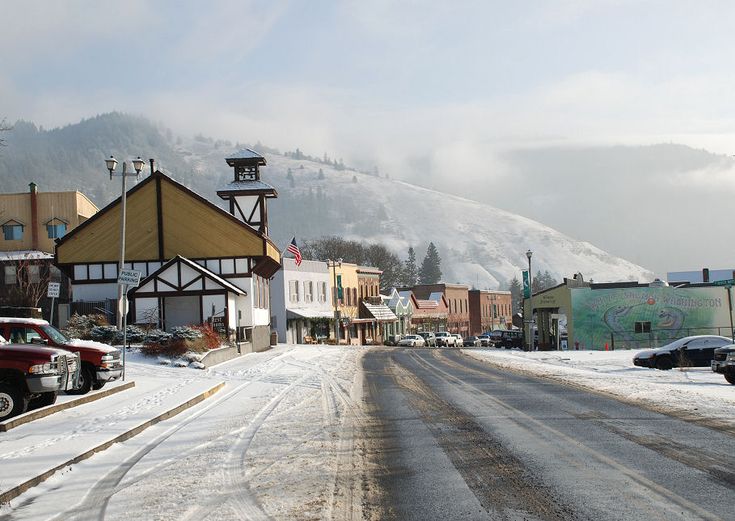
(53, 289)
(129, 277)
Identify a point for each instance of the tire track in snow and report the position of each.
(94, 505)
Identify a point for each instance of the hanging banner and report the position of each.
(526, 285)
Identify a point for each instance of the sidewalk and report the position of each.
(38, 448)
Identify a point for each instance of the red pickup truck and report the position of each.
(32, 375)
(100, 362)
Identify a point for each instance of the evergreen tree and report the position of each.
(354, 179)
(410, 270)
(291, 181)
(430, 272)
(321, 174)
(516, 294)
(542, 281)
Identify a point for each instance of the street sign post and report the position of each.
(129, 278)
(126, 279)
(54, 289)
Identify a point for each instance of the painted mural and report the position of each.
(643, 317)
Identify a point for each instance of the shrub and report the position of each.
(103, 334)
(80, 326)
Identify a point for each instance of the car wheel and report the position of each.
(42, 401)
(12, 401)
(730, 377)
(86, 379)
(97, 384)
(664, 363)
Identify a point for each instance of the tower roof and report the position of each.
(245, 156)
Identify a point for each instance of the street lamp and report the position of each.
(333, 264)
(122, 312)
(529, 254)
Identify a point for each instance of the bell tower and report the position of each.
(246, 193)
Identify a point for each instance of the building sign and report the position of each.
(218, 324)
(646, 317)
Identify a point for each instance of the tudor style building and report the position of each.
(198, 262)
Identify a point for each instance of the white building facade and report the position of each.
(301, 301)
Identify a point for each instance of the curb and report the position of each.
(14, 492)
(51, 409)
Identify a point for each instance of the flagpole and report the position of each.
(283, 252)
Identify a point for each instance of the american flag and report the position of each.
(293, 248)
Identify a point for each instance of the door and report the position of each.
(182, 311)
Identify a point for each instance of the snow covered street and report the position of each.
(696, 392)
(269, 444)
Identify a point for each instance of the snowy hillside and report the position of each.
(479, 245)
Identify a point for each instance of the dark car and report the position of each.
(510, 339)
(471, 341)
(691, 351)
(724, 362)
(429, 338)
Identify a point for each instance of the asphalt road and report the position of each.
(454, 438)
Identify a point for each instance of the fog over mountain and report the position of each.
(480, 244)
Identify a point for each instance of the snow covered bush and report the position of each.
(103, 334)
(179, 341)
(80, 326)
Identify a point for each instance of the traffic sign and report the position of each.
(54, 289)
(726, 282)
(129, 277)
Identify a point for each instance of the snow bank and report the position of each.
(695, 391)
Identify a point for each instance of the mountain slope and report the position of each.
(479, 245)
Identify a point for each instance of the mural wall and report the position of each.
(634, 318)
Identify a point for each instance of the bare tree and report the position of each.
(31, 282)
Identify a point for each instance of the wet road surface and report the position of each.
(454, 438)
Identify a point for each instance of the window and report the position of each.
(354, 296)
(308, 291)
(34, 273)
(642, 327)
(10, 277)
(55, 229)
(322, 292)
(13, 231)
(293, 291)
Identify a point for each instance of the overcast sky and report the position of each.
(431, 92)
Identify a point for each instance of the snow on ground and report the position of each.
(274, 443)
(693, 392)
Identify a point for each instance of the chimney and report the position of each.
(705, 274)
(34, 215)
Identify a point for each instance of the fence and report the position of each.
(103, 307)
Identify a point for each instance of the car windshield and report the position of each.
(54, 334)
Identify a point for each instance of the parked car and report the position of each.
(724, 362)
(392, 340)
(445, 339)
(429, 338)
(31, 376)
(458, 340)
(412, 341)
(485, 340)
(694, 351)
(510, 339)
(471, 341)
(496, 337)
(100, 362)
